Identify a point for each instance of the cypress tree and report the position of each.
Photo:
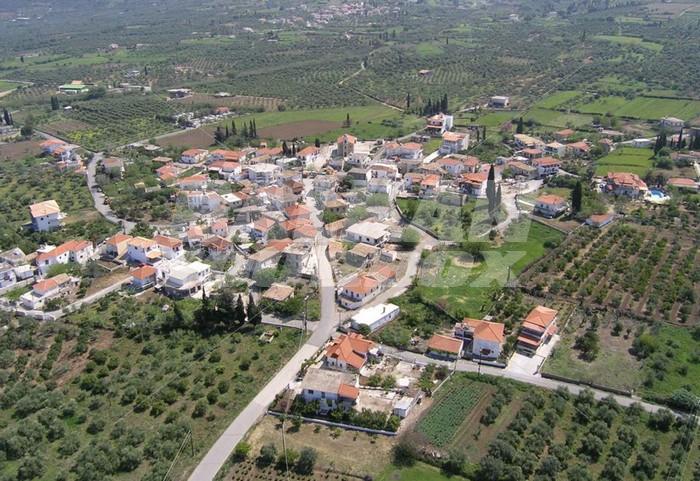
(521, 126)
(255, 129)
(577, 198)
(254, 314)
(317, 143)
(499, 198)
(233, 128)
(244, 132)
(228, 134)
(679, 145)
(239, 311)
(6, 116)
(251, 130)
(491, 190)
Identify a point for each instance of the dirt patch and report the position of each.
(63, 127)
(346, 451)
(68, 365)
(18, 150)
(107, 280)
(196, 139)
(302, 128)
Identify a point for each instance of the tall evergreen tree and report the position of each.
(254, 313)
(577, 198)
(520, 127)
(233, 128)
(251, 130)
(408, 101)
(679, 145)
(499, 198)
(239, 311)
(443, 105)
(255, 129)
(491, 190)
(317, 143)
(228, 134)
(285, 148)
(244, 131)
(6, 116)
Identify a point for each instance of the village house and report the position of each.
(299, 258)
(564, 135)
(48, 146)
(259, 229)
(228, 170)
(374, 317)
(625, 183)
(48, 289)
(349, 352)
(454, 142)
(78, 251)
(546, 166)
(383, 171)
(144, 277)
(46, 216)
(335, 206)
(372, 233)
(143, 251)
(203, 201)
(116, 246)
(224, 155)
(438, 124)
(358, 291)
(278, 197)
(299, 228)
(682, 183)
(193, 182)
(361, 255)
(524, 141)
(335, 229)
(429, 186)
(220, 227)
(499, 102)
(409, 150)
(167, 173)
(308, 155)
(331, 389)
(522, 170)
(379, 186)
(113, 167)
(578, 149)
(216, 247)
(672, 124)
(75, 87)
(538, 328)
(297, 211)
(263, 174)
(278, 293)
(186, 279)
(180, 93)
(457, 164)
(550, 205)
(8, 277)
(358, 176)
(14, 257)
(532, 154)
(444, 347)
(600, 220)
(263, 259)
(474, 185)
(170, 247)
(483, 339)
(345, 145)
(555, 148)
(194, 156)
(324, 183)
(194, 236)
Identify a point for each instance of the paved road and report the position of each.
(536, 380)
(99, 198)
(221, 450)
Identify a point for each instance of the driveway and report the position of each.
(526, 365)
(99, 198)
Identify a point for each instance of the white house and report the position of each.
(672, 123)
(373, 233)
(308, 155)
(143, 251)
(47, 289)
(331, 389)
(550, 205)
(349, 352)
(46, 216)
(78, 251)
(438, 124)
(375, 317)
(204, 201)
(546, 166)
(263, 259)
(170, 247)
(499, 102)
(263, 174)
(186, 279)
(483, 338)
(194, 156)
(453, 142)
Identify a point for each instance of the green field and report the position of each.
(492, 119)
(555, 100)
(417, 472)
(464, 289)
(633, 41)
(648, 108)
(555, 119)
(6, 85)
(626, 159)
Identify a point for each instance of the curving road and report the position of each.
(99, 198)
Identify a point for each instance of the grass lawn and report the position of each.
(463, 288)
(625, 159)
(493, 119)
(429, 49)
(417, 472)
(553, 118)
(5, 85)
(602, 105)
(625, 40)
(656, 108)
(556, 99)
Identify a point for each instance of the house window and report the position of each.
(323, 395)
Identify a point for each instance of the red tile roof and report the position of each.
(143, 272)
(361, 284)
(349, 392)
(70, 246)
(351, 349)
(444, 344)
(485, 330)
(540, 318)
(550, 199)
